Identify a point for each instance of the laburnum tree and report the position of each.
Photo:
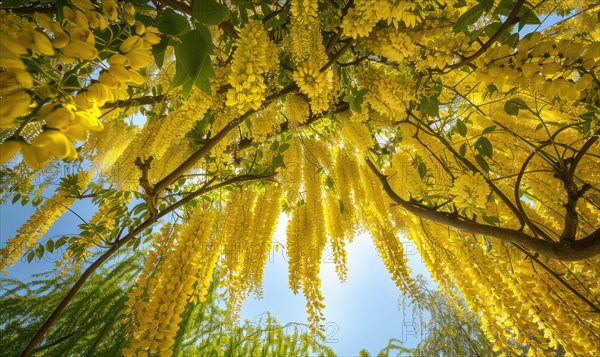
(468, 126)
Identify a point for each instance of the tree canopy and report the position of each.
(468, 126)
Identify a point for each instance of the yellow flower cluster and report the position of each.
(135, 54)
(64, 124)
(391, 44)
(404, 177)
(145, 281)
(547, 66)
(296, 110)
(248, 225)
(37, 225)
(311, 244)
(74, 41)
(442, 49)
(388, 93)
(308, 52)
(12, 24)
(316, 85)
(173, 285)
(249, 65)
(291, 174)
(304, 11)
(362, 18)
(265, 123)
(306, 40)
(471, 193)
(14, 81)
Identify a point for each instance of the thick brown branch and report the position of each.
(534, 228)
(573, 192)
(567, 251)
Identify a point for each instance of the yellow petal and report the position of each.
(8, 149)
(35, 157)
(55, 142)
(81, 50)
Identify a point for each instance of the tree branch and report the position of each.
(512, 19)
(565, 250)
(573, 193)
(149, 99)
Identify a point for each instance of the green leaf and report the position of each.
(50, 245)
(16, 198)
(491, 220)
(422, 169)
(30, 256)
(484, 146)
(284, 147)
(489, 129)
(512, 106)
(36, 201)
(203, 83)
(468, 18)
(361, 93)
(171, 23)
(462, 150)
(205, 32)
(39, 251)
(159, 50)
(328, 183)
(355, 105)
(139, 208)
(491, 29)
(430, 105)
(193, 55)
(461, 128)
(60, 242)
(274, 146)
(278, 161)
(527, 17)
(482, 163)
(512, 40)
(505, 7)
(487, 4)
(208, 12)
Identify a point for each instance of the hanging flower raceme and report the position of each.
(171, 288)
(315, 84)
(250, 63)
(38, 224)
(471, 192)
